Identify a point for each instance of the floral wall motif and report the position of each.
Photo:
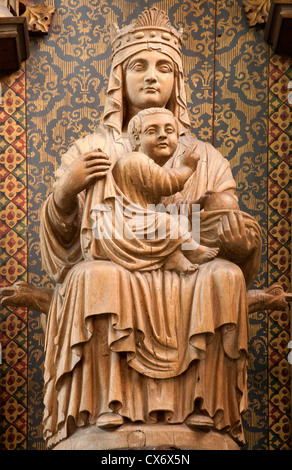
(231, 76)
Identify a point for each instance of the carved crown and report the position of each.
(152, 26)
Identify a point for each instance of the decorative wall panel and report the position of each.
(13, 256)
(279, 247)
(240, 129)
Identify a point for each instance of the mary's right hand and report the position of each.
(83, 172)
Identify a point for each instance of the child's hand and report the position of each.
(190, 158)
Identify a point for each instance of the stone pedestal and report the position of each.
(147, 436)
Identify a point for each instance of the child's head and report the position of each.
(154, 131)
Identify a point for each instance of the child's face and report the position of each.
(159, 137)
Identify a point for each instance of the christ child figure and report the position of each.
(142, 178)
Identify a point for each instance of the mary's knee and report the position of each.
(94, 269)
(226, 272)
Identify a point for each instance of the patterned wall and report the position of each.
(279, 248)
(62, 88)
(240, 128)
(13, 255)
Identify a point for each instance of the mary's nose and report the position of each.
(150, 75)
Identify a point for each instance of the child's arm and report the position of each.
(179, 200)
(172, 180)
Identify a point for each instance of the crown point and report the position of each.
(115, 31)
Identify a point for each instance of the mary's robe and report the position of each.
(139, 343)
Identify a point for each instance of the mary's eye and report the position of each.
(165, 68)
(137, 66)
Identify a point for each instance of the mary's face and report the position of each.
(149, 80)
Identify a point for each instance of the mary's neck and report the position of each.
(131, 112)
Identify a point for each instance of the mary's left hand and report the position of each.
(235, 238)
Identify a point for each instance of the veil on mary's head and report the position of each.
(152, 31)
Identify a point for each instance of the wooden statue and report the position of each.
(146, 344)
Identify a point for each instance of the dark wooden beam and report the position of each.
(14, 43)
(278, 30)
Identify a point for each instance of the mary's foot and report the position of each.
(109, 420)
(200, 421)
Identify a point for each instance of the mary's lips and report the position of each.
(150, 88)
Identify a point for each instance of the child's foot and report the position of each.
(202, 254)
(178, 262)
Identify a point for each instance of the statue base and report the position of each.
(147, 436)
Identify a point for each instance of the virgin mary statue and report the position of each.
(153, 347)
